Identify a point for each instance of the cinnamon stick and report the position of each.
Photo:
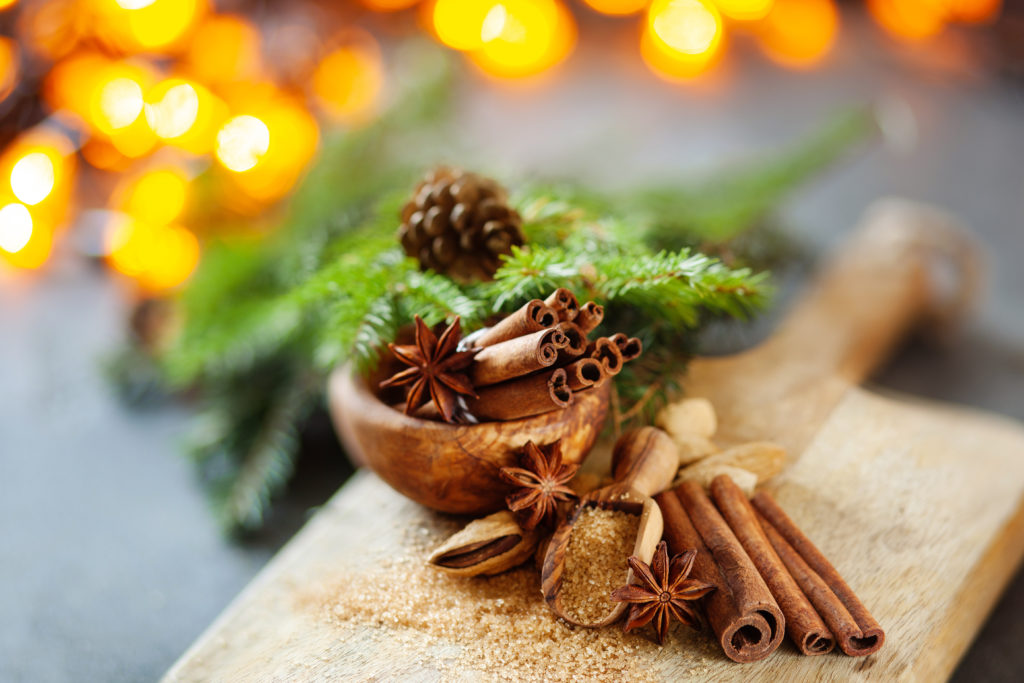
(585, 373)
(564, 304)
(745, 635)
(629, 347)
(608, 353)
(533, 316)
(516, 357)
(803, 625)
(855, 629)
(749, 591)
(590, 316)
(577, 342)
(524, 397)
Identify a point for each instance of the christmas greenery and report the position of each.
(266, 321)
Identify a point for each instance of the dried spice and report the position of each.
(665, 591)
(436, 369)
(542, 482)
(486, 546)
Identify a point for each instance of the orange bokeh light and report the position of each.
(388, 5)
(458, 23)
(223, 49)
(185, 114)
(4, 4)
(26, 237)
(617, 8)
(9, 66)
(156, 197)
(522, 38)
(147, 25)
(348, 81)
(975, 11)
(682, 39)
(799, 33)
(745, 10)
(911, 20)
(158, 257)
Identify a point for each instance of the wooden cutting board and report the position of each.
(919, 506)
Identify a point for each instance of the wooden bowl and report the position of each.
(453, 468)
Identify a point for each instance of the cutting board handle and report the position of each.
(907, 262)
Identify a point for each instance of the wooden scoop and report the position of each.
(643, 464)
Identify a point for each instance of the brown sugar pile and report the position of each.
(595, 562)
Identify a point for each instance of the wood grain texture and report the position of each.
(454, 468)
(919, 506)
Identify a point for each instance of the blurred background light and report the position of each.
(32, 177)
(157, 196)
(459, 23)
(242, 142)
(744, 10)
(388, 5)
(349, 80)
(681, 38)
(799, 33)
(521, 38)
(9, 66)
(157, 257)
(223, 49)
(140, 26)
(617, 8)
(15, 227)
(910, 19)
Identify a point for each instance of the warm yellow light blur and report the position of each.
(617, 8)
(120, 103)
(681, 38)
(242, 142)
(458, 23)
(524, 37)
(348, 82)
(745, 10)
(32, 178)
(172, 108)
(158, 257)
(145, 25)
(799, 33)
(15, 228)
(9, 66)
(911, 20)
(25, 239)
(224, 48)
(157, 197)
(388, 5)
(975, 11)
(4, 4)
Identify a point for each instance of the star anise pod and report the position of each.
(541, 483)
(435, 369)
(665, 591)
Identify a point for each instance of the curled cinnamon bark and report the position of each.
(576, 344)
(750, 593)
(855, 629)
(589, 316)
(803, 625)
(524, 397)
(585, 373)
(629, 347)
(608, 353)
(516, 357)
(533, 316)
(564, 304)
(745, 635)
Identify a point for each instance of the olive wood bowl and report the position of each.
(453, 467)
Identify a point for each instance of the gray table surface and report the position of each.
(110, 564)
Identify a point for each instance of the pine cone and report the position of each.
(458, 224)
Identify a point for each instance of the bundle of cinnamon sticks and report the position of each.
(535, 360)
(771, 580)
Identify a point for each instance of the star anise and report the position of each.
(541, 483)
(435, 369)
(666, 591)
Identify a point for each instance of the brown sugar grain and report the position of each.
(595, 562)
